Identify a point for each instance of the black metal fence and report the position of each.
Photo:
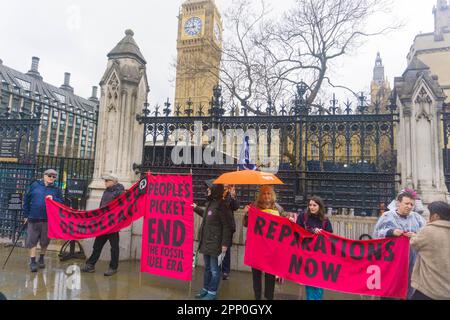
(18, 152)
(20, 165)
(345, 156)
(74, 176)
(446, 150)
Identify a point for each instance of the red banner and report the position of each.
(168, 232)
(68, 224)
(373, 267)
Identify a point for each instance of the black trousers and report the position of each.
(269, 284)
(98, 246)
(420, 296)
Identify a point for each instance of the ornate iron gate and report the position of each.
(446, 149)
(18, 152)
(74, 176)
(20, 165)
(348, 158)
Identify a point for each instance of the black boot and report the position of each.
(88, 268)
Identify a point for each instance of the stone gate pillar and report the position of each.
(420, 135)
(124, 90)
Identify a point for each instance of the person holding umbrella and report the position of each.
(35, 214)
(266, 201)
(215, 236)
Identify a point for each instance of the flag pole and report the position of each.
(22, 229)
(173, 174)
(190, 282)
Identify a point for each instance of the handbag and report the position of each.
(195, 259)
(245, 220)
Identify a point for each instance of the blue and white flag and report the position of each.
(244, 162)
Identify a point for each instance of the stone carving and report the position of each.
(424, 101)
(113, 96)
(423, 97)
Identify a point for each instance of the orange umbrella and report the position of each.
(248, 177)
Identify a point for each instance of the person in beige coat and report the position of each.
(431, 274)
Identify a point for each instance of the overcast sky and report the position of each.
(75, 36)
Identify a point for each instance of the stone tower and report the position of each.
(441, 18)
(199, 53)
(124, 90)
(420, 158)
(379, 88)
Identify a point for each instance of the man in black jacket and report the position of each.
(113, 190)
(232, 202)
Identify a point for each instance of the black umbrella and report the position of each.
(22, 229)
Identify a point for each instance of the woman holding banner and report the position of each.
(266, 202)
(401, 221)
(215, 236)
(314, 221)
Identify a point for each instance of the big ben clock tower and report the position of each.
(199, 47)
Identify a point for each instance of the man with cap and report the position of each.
(113, 190)
(35, 214)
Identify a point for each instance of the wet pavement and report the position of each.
(59, 282)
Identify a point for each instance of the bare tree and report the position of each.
(263, 56)
(314, 33)
(247, 72)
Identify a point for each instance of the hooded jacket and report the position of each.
(34, 202)
(431, 274)
(216, 228)
(111, 193)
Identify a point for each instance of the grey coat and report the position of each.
(111, 193)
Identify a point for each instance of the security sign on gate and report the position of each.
(76, 188)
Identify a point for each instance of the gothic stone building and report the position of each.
(68, 122)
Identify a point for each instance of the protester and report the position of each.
(232, 202)
(401, 222)
(215, 236)
(417, 206)
(35, 214)
(266, 202)
(431, 272)
(113, 190)
(314, 220)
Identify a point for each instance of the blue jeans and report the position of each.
(211, 277)
(412, 261)
(226, 263)
(313, 293)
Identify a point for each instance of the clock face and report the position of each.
(217, 32)
(193, 26)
